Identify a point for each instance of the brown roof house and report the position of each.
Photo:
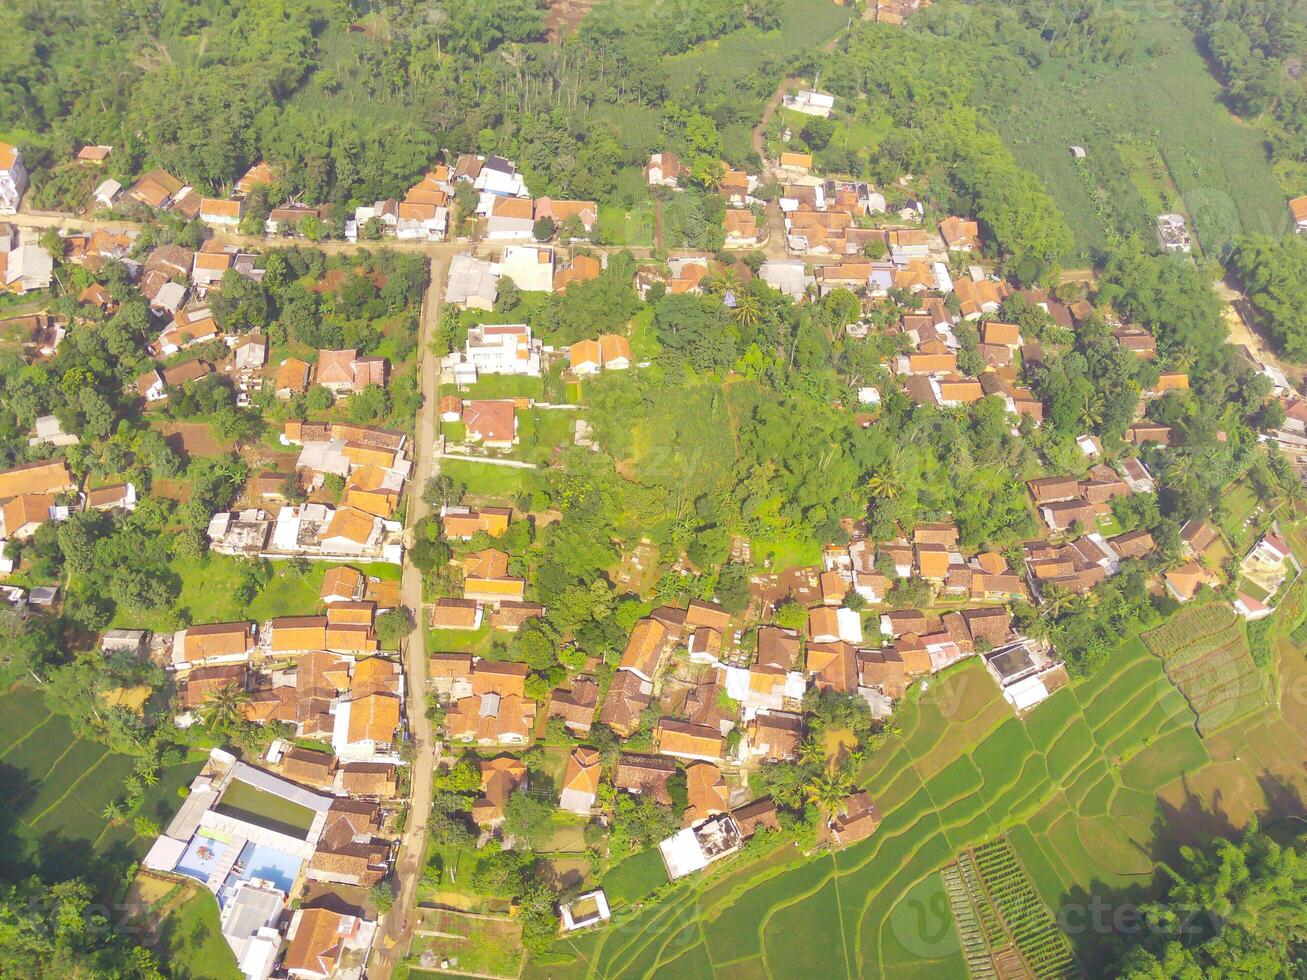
(639, 773)
(318, 939)
(628, 696)
(856, 819)
(342, 371)
(501, 777)
(686, 741)
(580, 781)
(576, 705)
(644, 649)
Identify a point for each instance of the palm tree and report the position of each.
(1053, 601)
(811, 752)
(1183, 358)
(883, 484)
(223, 710)
(748, 311)
(828, 791)
(113, 813)
(1090, 415)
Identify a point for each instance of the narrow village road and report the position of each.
(397, 930)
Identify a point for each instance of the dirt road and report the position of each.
(397, 931)
(1240, 320)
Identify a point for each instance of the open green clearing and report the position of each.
(209, 586)
(54, 787)
(1156, 135)
(191, 941)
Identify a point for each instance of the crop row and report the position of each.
(1187, 628)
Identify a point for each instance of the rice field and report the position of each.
(55, 786)
(1204, 651)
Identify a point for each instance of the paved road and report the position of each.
(396, 933)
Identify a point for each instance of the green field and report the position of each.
(635, 877)
(1156, 135)
(54, 788)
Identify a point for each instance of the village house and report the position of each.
(497, 712)
(492, 423)
(501, 777)
(13, 178)
(584, 213)
(531, 267)
(25, 265)
(629, 694)
(960, 235)
(343, 372)
(856, 819)
(664, 170)
(581, 777)
(498, 349)
(471, 282)
(683, 740)
(575, 705)
(810, 102)
(220, 213)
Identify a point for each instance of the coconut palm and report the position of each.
(811, 752)
(223, 710)
(884, 484)
(829, 790)
(1053, 601)
(748, 311)
(113, 812)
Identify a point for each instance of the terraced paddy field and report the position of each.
(1204, 651)
(53, 789)
(1089, 791)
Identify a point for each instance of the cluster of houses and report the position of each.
(45, 492)
(373, 468)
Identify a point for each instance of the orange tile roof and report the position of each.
(373, 717)
(51, 476)
(644, 647)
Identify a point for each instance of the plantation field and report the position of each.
(1157, 137)
(1204, 651)
(54, 788)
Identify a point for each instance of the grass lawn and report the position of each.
(191, 941)
(502, 483)
(635, 877)
(208, 587)
(498, 386)
(787, 552)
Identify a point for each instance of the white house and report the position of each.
(471, 283)
(810, 102)
(108, 192)
(13, 178)
(503, 348)
(531, 267)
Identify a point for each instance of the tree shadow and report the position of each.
(1103, 921)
